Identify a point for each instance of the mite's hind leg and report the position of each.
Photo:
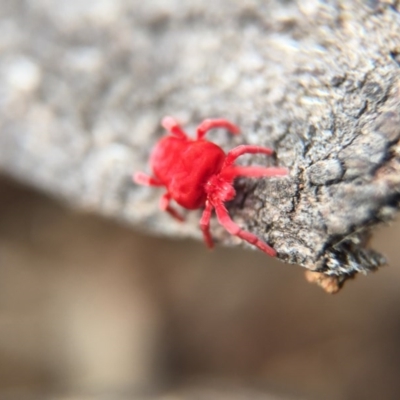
(208, 124)
(164, 206)
(146, 180)
(173, 127)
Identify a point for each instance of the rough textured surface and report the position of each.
(84, 85)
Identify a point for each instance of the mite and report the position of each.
(197, 173)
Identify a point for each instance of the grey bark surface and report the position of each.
(83, 86)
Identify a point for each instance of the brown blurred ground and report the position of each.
(89, 307)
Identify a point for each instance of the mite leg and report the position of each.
(245, 149)
(143, 179)
(226, 221)
(253, 172)
(208, 124)
(205, 225)
(164, 206)
(172, 126)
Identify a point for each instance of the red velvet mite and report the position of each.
(197, 173)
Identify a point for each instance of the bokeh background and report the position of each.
(89, 308)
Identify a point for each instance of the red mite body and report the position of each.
(198, 173)
(184, 167)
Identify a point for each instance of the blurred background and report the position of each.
(89, 308)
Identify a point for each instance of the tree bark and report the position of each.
(84, 86)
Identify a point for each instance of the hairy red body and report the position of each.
(184, 166)
(197, 173)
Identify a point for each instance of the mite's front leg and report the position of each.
(205, 225)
